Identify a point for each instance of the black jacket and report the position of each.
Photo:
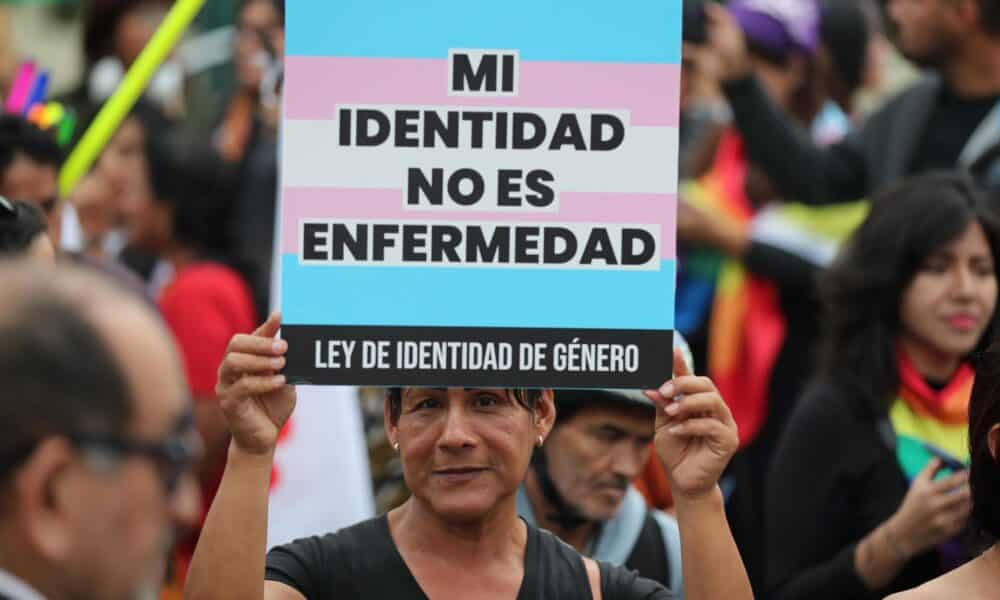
(834, 479)
(872, 156)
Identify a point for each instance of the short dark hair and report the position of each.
(863, 289)
(984, 413)
(527, 398)
(59, 376)
(18, 136)
(845, 31)
(197, 184)
(570, 402)
(20, 223)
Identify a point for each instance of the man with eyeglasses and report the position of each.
(29, 169)
(97, 445)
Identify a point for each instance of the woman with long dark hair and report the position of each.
(868, 493)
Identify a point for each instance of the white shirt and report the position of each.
(16, 589)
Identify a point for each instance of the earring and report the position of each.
(395, 446)
(541, 441)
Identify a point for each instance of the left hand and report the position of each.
(695, 436)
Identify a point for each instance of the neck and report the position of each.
(930, 363)
(976, 70)
(499, 536)
(578, 537)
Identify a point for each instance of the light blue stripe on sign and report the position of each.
(459, 297)
(641, 31)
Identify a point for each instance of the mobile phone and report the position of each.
(693, 23)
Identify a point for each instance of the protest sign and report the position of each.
(480, 193)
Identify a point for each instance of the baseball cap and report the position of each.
(782, 26)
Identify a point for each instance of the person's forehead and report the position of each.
(635, 420)
(409, 392)
(259, 13)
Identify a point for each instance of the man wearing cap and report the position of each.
(580, 487)
(948, 119)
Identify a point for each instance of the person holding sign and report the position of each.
(464, 454)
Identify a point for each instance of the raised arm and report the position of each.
(802, 171)
(695, 438)
(229, 559)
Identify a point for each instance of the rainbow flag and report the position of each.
(746, 325)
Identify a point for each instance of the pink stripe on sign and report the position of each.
(574, 207)
(317, 85)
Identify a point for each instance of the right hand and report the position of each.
(724, 55)
(932, 511)
(254, 398)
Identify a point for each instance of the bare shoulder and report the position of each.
(593, 576)
(954, 584)
(919, 593)
(274, 590)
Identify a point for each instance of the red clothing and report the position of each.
(205, 306)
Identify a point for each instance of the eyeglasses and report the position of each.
(174, 456)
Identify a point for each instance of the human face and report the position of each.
(465, 451)
(35, 182)
(928, 30)
(122, 164)
(93, 201)
(258, 22)
(593, 458)
(136, 28)
(125, 521)
(950, 302)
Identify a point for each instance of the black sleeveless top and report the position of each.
(362, 562)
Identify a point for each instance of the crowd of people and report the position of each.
(832, 429)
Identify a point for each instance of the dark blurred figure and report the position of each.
(23, 232)
(29, 169)
(702, 106)
(114, 34)
(96, 440)
(947, 120)
(847, 39)
(248, 137)
(207, 299)
(753, 256)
